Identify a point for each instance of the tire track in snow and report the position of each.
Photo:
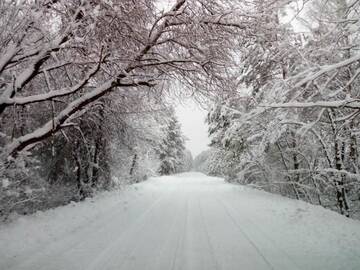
(172, 231)
(208, 239)
(165, 237)
(69, 244)
(246, 236)
(110, 250)
(91, 223)
(319, 230)
(181, 238)
(257, 246)
(264, 235)
(137, 226)
(66, 238)
(185, 224)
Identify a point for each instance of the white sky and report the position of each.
(192, 120)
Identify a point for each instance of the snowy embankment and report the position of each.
(188, 221)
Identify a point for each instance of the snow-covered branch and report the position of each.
(348, 103)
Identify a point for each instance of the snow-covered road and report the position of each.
(188, 221)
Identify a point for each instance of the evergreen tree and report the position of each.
(172, 149)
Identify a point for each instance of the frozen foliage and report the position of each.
(172, 147)
(200, 163)
(187, 161)
(291, 125)
(83, 86)
(82, 91)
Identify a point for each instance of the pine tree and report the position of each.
(171, 151)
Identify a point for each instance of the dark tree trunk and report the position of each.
(340, 178)
(133, 165)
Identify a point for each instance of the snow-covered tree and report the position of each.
(187, 161)
(65, 66)
(172, 148)
(296, 120)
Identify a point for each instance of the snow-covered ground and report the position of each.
(189, 221)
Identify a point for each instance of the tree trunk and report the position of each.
(340, 177)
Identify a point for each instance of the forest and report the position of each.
(87, 91)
